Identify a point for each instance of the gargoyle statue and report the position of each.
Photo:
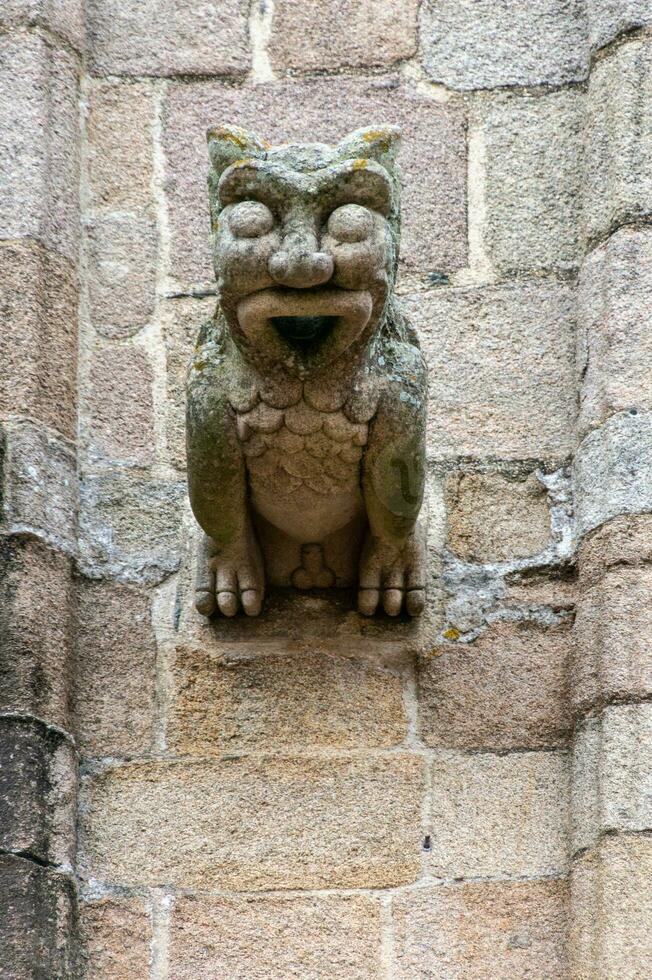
(307, 390)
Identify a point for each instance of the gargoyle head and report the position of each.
(305, 243)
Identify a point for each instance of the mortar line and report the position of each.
(162, 904)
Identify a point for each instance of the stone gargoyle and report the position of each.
(307, 390)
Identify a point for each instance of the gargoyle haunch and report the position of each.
(307, 391)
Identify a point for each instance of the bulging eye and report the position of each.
(350, 223)
(250, 219)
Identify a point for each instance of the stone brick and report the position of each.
(626, 540)
(610, 18)
(161, 37)
(266, 823)
(613, 470)
(499, 816)
(506, 929)
(114, 671)
(618, 165)
(181, 320)
(501, 369)
(120, 145)
(118, 408)
(38, 783)
(533, 147)
(613, 626)
(506, 690)
(37, 911)
(434, 211)
(38, 123)
(276, 938)
(129, 527)
(476, 44)
(35, 597)
(40, 485)
(38, 309)
(612, 909)
(116, 934)
(612, 773)
(281, 701)
(337, 33)
(614, 360)
(64, 17)
(492, 517)
(122, 251)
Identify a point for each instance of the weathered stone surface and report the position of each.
(613, 470)
(506, 690)
(122, 253)
(506, 929)
(533, 147)
(471, 44)
(180, 319)
(612, 773)
(64, 17)
(492, 517)
(501, 369)
(612, 909)
(614, 349)
(434, 226)
(626, 540)
(114, 670)
(37, 911)
(35, 595)
(618, 165)
(117, 409)
(38, 783)
(40, 485)
(129, 527)
(609, 18)
(275, 701)
(256, 824)
(120, 145)
(38, 308)
(160, 37)
(39, 142)
(374, 33)
(115, 934)
(613, 626)
(276, 938)
(502, 816)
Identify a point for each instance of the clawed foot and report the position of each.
(231, 578)
(392, 576)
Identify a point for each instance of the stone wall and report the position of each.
(312, 795)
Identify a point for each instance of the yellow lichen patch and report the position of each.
(380, 136)
(239, 139)
(244, 162)
(451, 633)
(360, 164)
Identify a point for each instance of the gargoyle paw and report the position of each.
(231, 578)
(393, 576)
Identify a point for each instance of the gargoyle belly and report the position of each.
(303, 514)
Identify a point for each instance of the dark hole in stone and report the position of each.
(427, 844)
(303, 330)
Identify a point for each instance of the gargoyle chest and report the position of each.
(300, 446)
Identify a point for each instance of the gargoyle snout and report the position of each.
(301, 270)
(299, 263)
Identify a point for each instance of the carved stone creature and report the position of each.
(307, 391)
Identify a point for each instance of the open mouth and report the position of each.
(301, 330)
(304, 329)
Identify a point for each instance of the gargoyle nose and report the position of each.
(301, 269)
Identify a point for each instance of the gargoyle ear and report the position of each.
(228, 144)
(380, 143)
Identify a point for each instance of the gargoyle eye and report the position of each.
(250, 219)
(350, 223)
